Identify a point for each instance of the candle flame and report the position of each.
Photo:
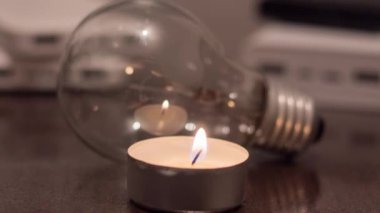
(129, 70)
(165, 105)
(199, 148)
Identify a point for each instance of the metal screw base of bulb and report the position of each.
(289, 123)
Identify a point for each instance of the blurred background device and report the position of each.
(330, 49)
(33, 36)
(32, 39)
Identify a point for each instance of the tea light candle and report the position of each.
(183, 173)
(164, 119)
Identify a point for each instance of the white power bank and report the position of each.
(40, 27)
(32, 39)
(340, 68)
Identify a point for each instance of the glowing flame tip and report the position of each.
(199, 144)
(165, 104)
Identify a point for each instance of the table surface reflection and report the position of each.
(45, 168)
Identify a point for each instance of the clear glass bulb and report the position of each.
(146, 68)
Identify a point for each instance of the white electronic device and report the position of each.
(40, 27)
(340, 68)
(9, 78)
(98, 72)
(33, 36)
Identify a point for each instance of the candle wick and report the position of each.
(163, 112)
(196, 157)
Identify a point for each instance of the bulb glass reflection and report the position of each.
(152, 69)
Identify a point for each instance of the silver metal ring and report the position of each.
(289, 120)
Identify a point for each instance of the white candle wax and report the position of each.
(174, 152)
(158, 121)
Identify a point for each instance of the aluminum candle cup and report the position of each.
(161, 176)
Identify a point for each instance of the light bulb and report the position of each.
(145, 68)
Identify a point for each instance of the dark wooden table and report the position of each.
(45, 168)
